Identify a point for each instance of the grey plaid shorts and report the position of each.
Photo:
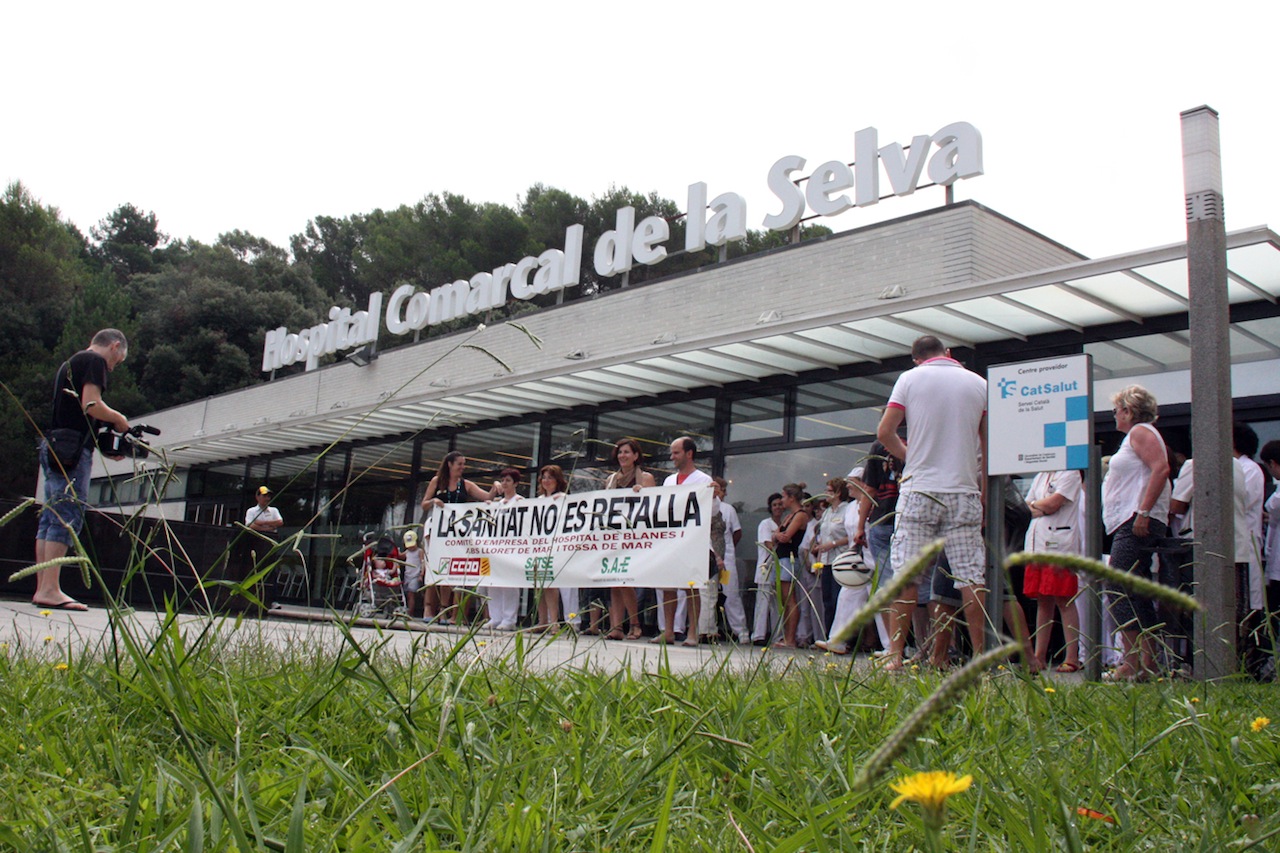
(955, 516)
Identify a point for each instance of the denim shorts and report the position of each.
(63, 512)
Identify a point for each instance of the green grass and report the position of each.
(187, 741)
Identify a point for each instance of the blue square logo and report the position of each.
(1078, 408)
(1077, 457)
(1055, 435)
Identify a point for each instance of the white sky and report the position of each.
(260, 116)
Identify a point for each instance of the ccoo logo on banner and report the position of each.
(655, 537)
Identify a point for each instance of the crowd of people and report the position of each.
(921, 480)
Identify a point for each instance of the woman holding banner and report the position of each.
(448, 486)
(504, 601)
(623, 606)
(552, 482)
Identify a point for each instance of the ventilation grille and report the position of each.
(1205, 205)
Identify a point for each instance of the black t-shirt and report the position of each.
(85, 368)
(882, 479)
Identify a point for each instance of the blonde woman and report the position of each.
(1135, 510)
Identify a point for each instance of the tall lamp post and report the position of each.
(1215, 633)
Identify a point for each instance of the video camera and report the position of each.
(127, 444)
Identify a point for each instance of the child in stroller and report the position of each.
(381, 578)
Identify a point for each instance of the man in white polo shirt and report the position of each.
(943, 489)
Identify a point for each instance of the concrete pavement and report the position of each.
(24, 625)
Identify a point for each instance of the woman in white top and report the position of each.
(504, 601)
(766, 617)
(1054, 500)
(1135, 509)
(834, 538)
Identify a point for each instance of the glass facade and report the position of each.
(805, 427)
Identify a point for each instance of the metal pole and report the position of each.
(1215, 588)
(995, 566)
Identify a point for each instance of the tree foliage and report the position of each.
(196, 314)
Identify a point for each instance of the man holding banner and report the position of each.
(683, 452)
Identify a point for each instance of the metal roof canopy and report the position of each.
(1127, 288)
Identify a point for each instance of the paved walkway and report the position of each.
(22, 624)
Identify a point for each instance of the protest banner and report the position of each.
(656, 537)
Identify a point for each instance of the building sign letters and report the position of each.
(952, 153)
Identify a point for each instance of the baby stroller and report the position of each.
(380, 583)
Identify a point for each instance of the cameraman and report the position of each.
(77, 402)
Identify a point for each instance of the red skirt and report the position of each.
(1049, 581)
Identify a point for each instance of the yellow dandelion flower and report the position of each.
(915, 667)
(930, 789)
(49, 639)
(1195, 700)
(46, 612)
(1050, 690)
(61, 667)
(1260, 723)
(817, 567)
(482, 642)
(573, 615)
(693, 583)
(4, 647)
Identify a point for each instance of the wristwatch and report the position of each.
(1144, 513)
